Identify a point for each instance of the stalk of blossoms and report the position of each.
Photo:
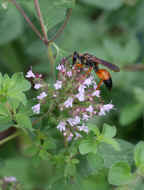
(74, 100)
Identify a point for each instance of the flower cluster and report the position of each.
(37, 79)
(79, 97)
(74, 95)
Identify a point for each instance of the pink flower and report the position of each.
(68, 102)
(105, 108)
(61, 126)
(69, 74)
(69, 138)
(58, 84)
(36, 108)
(94, 85)
(81, 89)
(9, 179)
(88, 81)
(74, 121)
(90, 109)
(41, 96)
(96, 93)
(77, 135)
(61, 68)
(37, 86)
(80, 97)
(83, 128)
(30, 74)
(85, 117)
(38, 76)
(108, 107)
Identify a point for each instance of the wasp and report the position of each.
(92, 62)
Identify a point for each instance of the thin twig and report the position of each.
(36, 2)
(63, 26)
(10, 137)
(26, 18)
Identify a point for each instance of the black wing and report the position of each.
(94, 59)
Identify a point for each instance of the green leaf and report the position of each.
(95, 162)
(112, 4)
(54, 11)
(108, 131)
(87, 146)
(111, 155)
(11, 25)
(31, 150)
(20, 83)
(19, 96)
(94, 128)
(5, 122)
(112, 142)
(120, 174)
(130, 113)
(139, 155)
(5, 117)
(70, 169)
(23, 121)
(4, 111)
(13, 88)
(49, 144)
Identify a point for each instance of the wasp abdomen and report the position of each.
(108, 83)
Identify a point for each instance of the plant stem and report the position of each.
(10, 137)
(26, 18)
(52, 61)
(46, 41)
(63, 26)
(36, 2)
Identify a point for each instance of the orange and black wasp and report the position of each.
(92, 62)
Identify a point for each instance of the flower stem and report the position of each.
(37, 6)
(27, 19)
(10, 137)
(52, 61)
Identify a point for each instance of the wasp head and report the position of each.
(76, 58)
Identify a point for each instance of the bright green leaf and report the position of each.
(112, 142)
(120, 174)
(19, 96)
(23, 121)
(108, 131)
(4, 111)
(94, 128)
(139, 154)
(87, 146)
(20, 83)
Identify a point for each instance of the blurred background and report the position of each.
(112, 30)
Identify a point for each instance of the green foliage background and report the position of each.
(111, 29)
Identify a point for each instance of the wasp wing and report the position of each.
(94, 59)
